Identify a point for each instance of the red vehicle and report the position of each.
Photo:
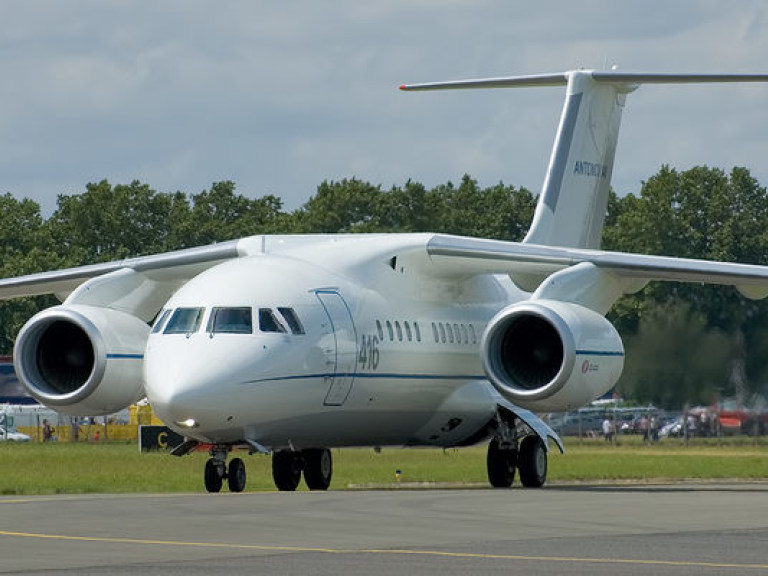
(736, 419)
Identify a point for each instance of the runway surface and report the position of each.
(670, 530)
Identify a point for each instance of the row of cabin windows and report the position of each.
(403, 331)
(458, 333)
(228, 320)
(442, 332)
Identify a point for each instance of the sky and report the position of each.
(280, 96)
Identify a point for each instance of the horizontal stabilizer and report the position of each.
(607, 76)
(560, 79)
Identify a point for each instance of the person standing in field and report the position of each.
(48, 431)
(608, 430)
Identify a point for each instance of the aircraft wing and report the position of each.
(531, 263)
(136, 285)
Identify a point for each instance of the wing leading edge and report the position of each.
(530, 264)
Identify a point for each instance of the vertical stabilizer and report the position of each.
(572, 204)
(573, 201)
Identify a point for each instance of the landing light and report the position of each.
(188, 423)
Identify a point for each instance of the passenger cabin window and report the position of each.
(231, 321)
(417, 330)
(380, 331)
(160, 321)
(268, 322)
(184, 321)
(292, 319)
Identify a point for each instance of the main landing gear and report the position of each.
(530, 459)
(505, 454)
(287, 467)
(316, 464)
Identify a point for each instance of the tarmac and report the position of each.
(573, 529)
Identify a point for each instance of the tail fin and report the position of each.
(572, 204)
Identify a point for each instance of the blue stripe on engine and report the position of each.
(126, 356)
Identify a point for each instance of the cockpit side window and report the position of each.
(268, 322)
(231, 321)
(184, 321)
(158, 326)
(292, 319)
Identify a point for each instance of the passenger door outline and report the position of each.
(344, 364)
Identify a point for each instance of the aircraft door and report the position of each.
(342, 349)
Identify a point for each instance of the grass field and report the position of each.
(62, 468)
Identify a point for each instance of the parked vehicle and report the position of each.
(13, 436)
(672, 429)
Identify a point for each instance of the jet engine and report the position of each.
(82, 360)
(547, 355)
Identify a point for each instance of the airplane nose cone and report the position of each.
(176, 387)
(197, 379)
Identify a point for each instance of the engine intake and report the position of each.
(82, 360)
(548, 355)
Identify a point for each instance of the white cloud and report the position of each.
(280, 96)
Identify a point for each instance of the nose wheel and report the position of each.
(216, 472)
(236, 475)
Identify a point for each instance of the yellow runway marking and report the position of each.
(432, 553)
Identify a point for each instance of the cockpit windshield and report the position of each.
(160, 322)
(268, 322)
(184, 321)
(231, 321)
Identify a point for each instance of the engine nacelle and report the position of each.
(82, 360)
(548, 356)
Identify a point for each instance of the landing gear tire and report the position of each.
(286, 470)
(236, 475)
(501, 465)
(318, 468)
(532, 462)
(214, 476)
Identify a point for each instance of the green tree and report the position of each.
(499, 212)
(108, 223)
(220, 214)
(700, 213)
(661, 371)
(24, 249)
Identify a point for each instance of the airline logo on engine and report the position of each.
(588, 366)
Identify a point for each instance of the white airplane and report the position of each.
(297, 344)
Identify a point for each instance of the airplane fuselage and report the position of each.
(326, 359)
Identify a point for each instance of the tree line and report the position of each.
(685, 342)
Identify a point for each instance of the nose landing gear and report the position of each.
(216, 471)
